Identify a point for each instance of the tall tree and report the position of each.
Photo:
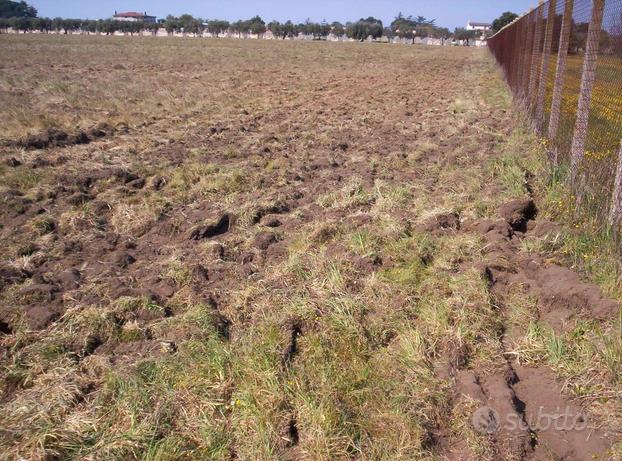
(276, 28)
(42, 24)
(404, 27)
(503, 20)
(466, 35)
(217, 27)
(10, 9)
(256, 25)
(190, 24)
(172, 24)
(337, 28)
(364, 28)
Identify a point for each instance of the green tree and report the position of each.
(256, 26)
(189, 24)
(134, 27)
(152, 27)
(460, 33)
(21, 23)
(276, 28)
(66, 25)
(74, 24)
(578, 37)
(324, 29)
(110, 26)
(422, 20)
(239, 27)
(282, 30)
(287, 30)
(410, 28)
(42, 24)
(300, 29)
(10, 9)
(337, 29)
(440, 32)
(503, 20)
(364, 28)
(89, 26)
(57, 24)
(217, 27)
(172, 24)
(404, 27)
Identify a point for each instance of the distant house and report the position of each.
(483, 26)
(132, 16)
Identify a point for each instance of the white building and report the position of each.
(132, 16)
(483, 26)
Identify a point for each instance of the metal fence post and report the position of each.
(562, 55)
(615, 211)
(523, 29)
(526, 67)
(544, 67)
(587, 84)
(535, 55)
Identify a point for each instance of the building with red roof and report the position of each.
(132, 16)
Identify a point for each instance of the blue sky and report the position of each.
(448, 13)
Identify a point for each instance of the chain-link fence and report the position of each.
(563, 63)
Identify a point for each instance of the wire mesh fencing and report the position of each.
(563, 64)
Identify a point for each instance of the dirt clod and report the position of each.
(12, 162)
(124, 260)
(566, 429)
(518, 212)
(158, 182)
(213, 229)
(442, 222)
(323, 233)
(125, 175)
(40, 316)
(138, 183)
(45, 290)
(10, 275)
(99, 130)
(270, 221)
(200, 273)
(263, 240)
(79, 198)
(69, 279)
(53, 137)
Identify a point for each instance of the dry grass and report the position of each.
(326, 342)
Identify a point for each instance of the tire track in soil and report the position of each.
(521, 393)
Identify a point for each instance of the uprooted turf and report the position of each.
(284, 250)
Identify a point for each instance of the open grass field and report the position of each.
(255, 250)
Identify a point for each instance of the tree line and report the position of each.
(23, 17)
(402, 27)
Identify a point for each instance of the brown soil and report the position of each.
(112, 233)
(53, 137)
(549, 425)
(555, 415)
